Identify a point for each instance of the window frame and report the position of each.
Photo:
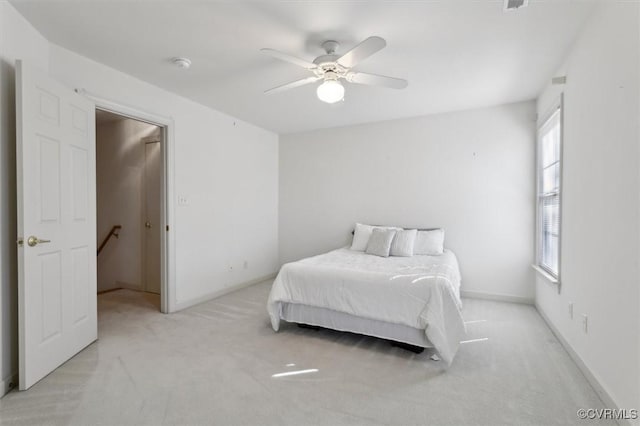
(556, 107)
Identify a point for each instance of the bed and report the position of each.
(412, 300)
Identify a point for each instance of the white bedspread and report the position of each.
(420, 291)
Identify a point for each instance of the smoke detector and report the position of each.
(182, 62)
(515, 4)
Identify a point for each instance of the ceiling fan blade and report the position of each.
(289, 58)
(292, 85)
(377, 80)
(362, 51)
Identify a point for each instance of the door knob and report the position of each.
(34, 241)
(148, 225)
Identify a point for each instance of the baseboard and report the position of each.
(109, 290)
(593, 381)
(8, 383)
(129, 286)
(497, 297)
(218, 293)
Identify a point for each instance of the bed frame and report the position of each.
(403, 336)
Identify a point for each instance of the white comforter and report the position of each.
(420, 291)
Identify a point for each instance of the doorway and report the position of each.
(129, 187)
(56, 213)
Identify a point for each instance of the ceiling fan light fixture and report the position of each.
(331, 91)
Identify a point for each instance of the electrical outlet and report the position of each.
(585, 327)
(183, 200)
(571, 310)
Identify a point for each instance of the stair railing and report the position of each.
(113, 233)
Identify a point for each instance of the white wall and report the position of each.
(470, 172)
(600, 207)
(227, 168)
(120, 161)
(18, 40)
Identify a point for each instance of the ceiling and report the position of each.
(456, 54)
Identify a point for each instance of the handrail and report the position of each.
(112, 233)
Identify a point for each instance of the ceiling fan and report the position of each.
(331, 68)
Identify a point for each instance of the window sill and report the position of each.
(544, 274)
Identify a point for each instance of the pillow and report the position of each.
(403, 242)
(380, 241)
(361, 235)
(429, 242)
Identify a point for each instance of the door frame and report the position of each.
(144, 217)
(167, 240)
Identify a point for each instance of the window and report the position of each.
(549, 176)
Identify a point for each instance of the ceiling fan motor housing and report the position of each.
(328, 68)
(331, 75)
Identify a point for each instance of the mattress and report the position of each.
(419, 292)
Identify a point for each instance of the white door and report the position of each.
(56, 169)
(152, 187)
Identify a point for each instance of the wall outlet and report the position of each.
(585, 323)
(571, 310)
(183, 200)
(245, 265)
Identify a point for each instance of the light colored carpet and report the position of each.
(213, 364)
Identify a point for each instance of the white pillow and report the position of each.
(429, 242)
(403, 243)
(380, 241)
(361, 236)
